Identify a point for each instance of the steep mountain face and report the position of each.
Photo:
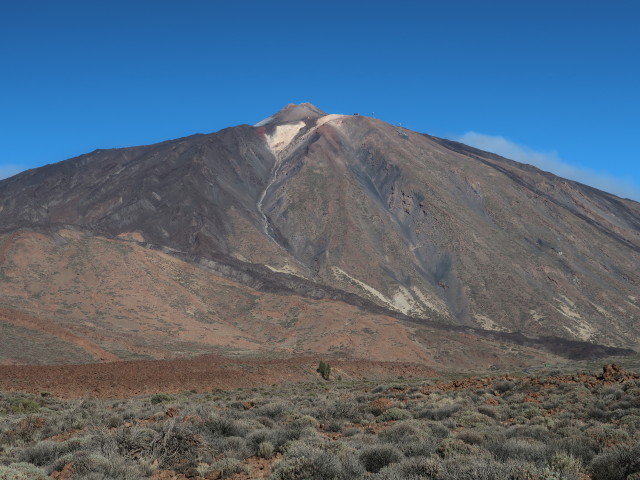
(352, 209)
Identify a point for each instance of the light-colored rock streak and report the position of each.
(281, 143)
(281, 138)
(402, 300)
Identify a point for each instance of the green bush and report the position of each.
(160, 398)
(24, 405)
(469, 418)
(324, 369)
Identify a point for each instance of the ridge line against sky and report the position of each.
(548, 76)
(551, 162)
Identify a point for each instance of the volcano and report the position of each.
(313, 233)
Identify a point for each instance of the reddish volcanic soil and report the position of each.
(124, 379)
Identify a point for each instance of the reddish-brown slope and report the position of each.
(79, 289)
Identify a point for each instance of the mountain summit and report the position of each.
(293, 113)
(344, 209)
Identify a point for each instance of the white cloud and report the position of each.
(551, 162)
(7, 171)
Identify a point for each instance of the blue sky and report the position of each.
(552, 83)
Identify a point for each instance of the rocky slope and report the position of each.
(343, 209)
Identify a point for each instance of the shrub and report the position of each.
(438, 430)
(344, 409)
(566, 465)
(265, 450)
(395, 413)
(304, 461)
(469, 418)
(578, 446)
(631, 422)
(43, 453)
(92, 465)
(324, 369)
(402, 432)
(274, 410)
(204, 469)
(439, 413)
(453, 447)
(24, 405)
(489, 411)
(376, 457)
(289, 433)
(228, 466)
(616, 463)
(160, 398)
(486, 468)
(502, 386)
(225, 427)
(235, 447)
(606, 435)
(380, 405)
(471, 437)
(135, 441)
(411, 468)
(520, 449)
(410, 438)
(177, 448)
(22, 471)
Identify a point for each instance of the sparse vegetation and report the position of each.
(575, 427)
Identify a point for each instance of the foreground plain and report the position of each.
(576, 422)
